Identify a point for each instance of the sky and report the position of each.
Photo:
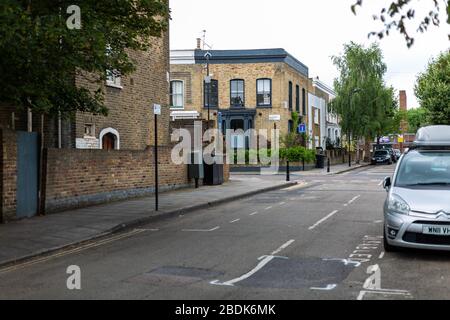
(311, 30)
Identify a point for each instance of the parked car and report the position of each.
(417, 207)
(393, 155)
(381, 156)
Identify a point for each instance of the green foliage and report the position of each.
(364, 104)
(41, 57)
(433, 90)
(398, 12)
(416, 118)
(297, 154)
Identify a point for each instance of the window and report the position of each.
(237, 94)
(112, 75)
(303, 101)
(290, 126)
(297, 98)
(264, 92)
(211, 89)
(113, 78)
(290, 95)
(89, 130)
(176, 94)
(316, 116)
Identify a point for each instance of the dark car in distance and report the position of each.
(382, 156)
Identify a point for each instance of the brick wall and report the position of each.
(77, 178)
(8, 174)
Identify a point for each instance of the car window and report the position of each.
(424, 168)
(381, 153)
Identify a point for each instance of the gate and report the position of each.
(27, 174)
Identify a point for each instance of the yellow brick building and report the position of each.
(249, 88)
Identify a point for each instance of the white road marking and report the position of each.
(323, 219)
(201, 230)
(235, 221)
(327, 288)
(269, 207)
(354, 199)
(258, 267)
(151, 230)
(281, 203)
(253, 213)
(381, 256)
(284, 246)
(381, 182)
(75, 250)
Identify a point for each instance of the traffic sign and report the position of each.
(157, 109)
(301, 128)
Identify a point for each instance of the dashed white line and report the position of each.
(253, 213)
(235, 221)
(268, 208)
(381, 255)
(354, 199)
(284, 246)
(323, 219)
(282, 203)
(201, 230)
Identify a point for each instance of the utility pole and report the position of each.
(208, 55)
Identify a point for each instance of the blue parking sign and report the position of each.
(301, 128)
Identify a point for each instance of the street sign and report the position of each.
(301, 128)
(157, 109)
(274, 117)
(401, 139)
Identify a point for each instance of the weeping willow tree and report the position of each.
(365, 105)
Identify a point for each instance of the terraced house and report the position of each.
(249, 89)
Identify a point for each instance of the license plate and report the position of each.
(380, 160)
(436, 230)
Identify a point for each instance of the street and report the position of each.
(319, 241)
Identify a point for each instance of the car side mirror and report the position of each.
(387, 183)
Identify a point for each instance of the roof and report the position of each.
(433, 136)
(251, 56)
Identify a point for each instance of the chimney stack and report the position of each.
(403, 100)
(199, 44)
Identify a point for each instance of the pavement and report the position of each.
(24, 239)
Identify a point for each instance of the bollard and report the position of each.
(303, 161)
(328, 165)
(288, 178)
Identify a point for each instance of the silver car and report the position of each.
(417, 208)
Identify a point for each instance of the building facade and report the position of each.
(324, 126)
(250, 89)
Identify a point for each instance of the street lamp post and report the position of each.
(208, 55)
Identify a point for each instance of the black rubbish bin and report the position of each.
(213, 174)
(320, 161)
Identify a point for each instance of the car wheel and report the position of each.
(386, 245)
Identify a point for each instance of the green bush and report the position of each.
(297, 154)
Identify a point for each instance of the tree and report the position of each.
(42, 56)
(433, 90)
(398, 12)
(416, 118)
(364, 104)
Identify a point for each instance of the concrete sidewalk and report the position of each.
(24, 239)
(334, 169)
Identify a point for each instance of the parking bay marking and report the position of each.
(263, 261)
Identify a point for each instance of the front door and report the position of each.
(27, 174)
(108, 141)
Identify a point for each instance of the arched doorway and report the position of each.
(109, 141)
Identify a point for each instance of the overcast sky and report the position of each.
(311, 30)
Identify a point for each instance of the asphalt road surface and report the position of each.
(319, 242)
